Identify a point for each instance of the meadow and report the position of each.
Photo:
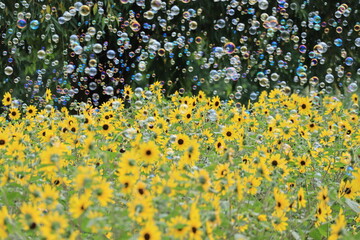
(142, 167)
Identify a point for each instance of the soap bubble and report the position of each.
(97, 48)
(41, 54)
(110, 54)
(34, 24)
(21, 23)
(8, 70)
(109, 90)
(84, 10)
(353, 87)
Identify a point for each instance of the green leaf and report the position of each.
(353, 205)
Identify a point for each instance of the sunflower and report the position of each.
(276, 162)
(203, 178)
(303, 162)
(31, 111)
(150, 232)
(140, 209)
(182, 142)
(304, 106)
(128, 162)
(14, 113)
(354, 98)
(140, 190)
(78, 205)
(220, 146)
(148, 152)
(323, 195)
(106, 128)
(30, 216)
(301, 198)
(281, 201)
(229, 133)
(6, 99)
(127, 182)
(279, 222)
(338, 226)
(179, 227)
(323, 211)
(215, 102)
(347, 189)
(48, 96)
(4, 140)
(194, 225)
(53, 225)
(222, 170)
(49, 196)
(103, 193)
(191, 155)
(4, 216)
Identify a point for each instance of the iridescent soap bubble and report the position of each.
(338, 42)
(302, 49)
(95, 97)
(8, 70)
(263, 4)
(138, 77)
(34, 24)
(41, 54)
(109, 90)
(92, 86)
(84, 10)
(156, 5)
(135, 26)
(357, 42)
(110, 54)
(353, 87)
(21, 23)
(349, 61)
(97, 48)
(329, 78)
(229, 47)
(253, 96)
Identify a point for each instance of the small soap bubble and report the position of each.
(21, 23)
(8, 70)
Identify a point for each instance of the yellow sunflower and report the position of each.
(148, 152)
(6, 99)
(14, 113)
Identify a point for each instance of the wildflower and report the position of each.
(141, 209)
(182, 142)
(103, 193)
(301, 198)
(347, 189)
(279, 222)
(30, 216)
(6, 101)
(31, 111)
(4, 216)
(179, 227)
(149, 152)
(14, 113)
(337, 229)
(48, 95)
(53, 225)
(78, 205)
(281, 201)
(323, 195)
(203, 178)
(322, 212)
(150, 232)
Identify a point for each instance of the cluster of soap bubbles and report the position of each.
(89, 50)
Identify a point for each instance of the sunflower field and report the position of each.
(285, 167)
